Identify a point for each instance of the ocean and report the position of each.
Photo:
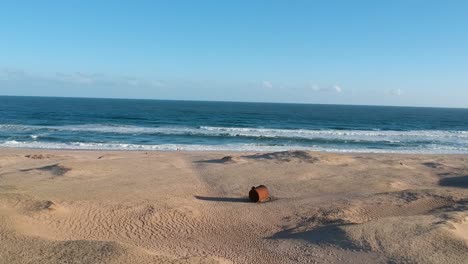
(124, 124)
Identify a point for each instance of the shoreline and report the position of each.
(233, 151)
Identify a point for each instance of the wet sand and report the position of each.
(182, 207)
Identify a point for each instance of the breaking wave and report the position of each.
(235, 139)
(434, 149)
(364, 135)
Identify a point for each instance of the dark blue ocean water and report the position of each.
(115, 124)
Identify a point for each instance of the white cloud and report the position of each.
(8, 74)
(335, 88)
(397, 92)
(267, 84)
(78, 78)
(136, 82)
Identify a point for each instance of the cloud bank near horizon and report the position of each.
(77, 78)
(87, 84)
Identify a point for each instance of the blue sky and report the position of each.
(344, 52)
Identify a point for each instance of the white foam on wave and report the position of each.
(355, 135)
(429, 149)
(124, 146)
(391, 136)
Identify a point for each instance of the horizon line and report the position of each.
(227, 101)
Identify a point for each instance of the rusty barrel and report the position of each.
(259, 194)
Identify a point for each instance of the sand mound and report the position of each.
(24, 204)
(395, 204)
(44, 205)
(110, 222)
(397, 224)
(398, 185)
(460, 227)
(284, 156)
(51, 233)
(55, 169)
(412, 239)
(433, 165)
(39, 156)
(34, 250)
(224, 160)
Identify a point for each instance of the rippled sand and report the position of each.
(171, 207)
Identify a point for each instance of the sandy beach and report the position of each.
(192, 207)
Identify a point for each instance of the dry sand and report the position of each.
(137, 207)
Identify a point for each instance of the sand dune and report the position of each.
(138, 207)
